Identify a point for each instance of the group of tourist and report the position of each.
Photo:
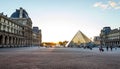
(107, 48)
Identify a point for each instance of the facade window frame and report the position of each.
(2, 20)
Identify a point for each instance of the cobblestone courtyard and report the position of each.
(58, 58)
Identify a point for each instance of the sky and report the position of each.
(60, 20)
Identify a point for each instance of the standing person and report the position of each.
(107, 48)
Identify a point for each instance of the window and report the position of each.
(2, 20)
(1, 27)
(6, 28)
(10, 30)
(10, 23)
(6, 21)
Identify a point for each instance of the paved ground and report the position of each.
(58, 58)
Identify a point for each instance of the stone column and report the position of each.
(15, 42)
(11, 40)
(24, 41)
(20, 43)
(7, 41)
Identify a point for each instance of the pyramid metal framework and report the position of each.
(78, 39)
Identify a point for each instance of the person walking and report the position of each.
(101, 49)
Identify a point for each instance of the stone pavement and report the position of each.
(58, 58)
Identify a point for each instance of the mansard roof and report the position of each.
(20, 13)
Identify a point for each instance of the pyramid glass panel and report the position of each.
(78, 39)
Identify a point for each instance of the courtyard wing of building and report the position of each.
(17, 31)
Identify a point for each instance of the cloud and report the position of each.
(112, 4)
(101, 5)
(108, 5)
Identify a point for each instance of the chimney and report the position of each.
(21, 12)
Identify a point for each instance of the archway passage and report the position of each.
(1, 38)
(10, 41)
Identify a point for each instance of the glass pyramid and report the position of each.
(78, 39)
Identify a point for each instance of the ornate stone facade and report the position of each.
(110, 37)
(37, 36)
(16, 30)
(21, 17)
(96, 40)
(11, 33)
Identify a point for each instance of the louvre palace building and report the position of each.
(16, 30)
(110, 37)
